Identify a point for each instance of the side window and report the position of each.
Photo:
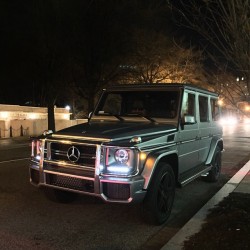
(215, 109)
(188, 105)
(203, 108)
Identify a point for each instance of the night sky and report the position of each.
(15, 86)
(17, 30)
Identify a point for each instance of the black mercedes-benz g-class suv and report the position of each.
(138, 145)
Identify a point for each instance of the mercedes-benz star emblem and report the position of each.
(73, 154)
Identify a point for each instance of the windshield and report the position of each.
(145, 104)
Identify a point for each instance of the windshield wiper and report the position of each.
(144, 116)
(111, 114)
(118, 117)
(148, 118)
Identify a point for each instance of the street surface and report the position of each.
(29, 221)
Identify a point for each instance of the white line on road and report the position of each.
(14, 160)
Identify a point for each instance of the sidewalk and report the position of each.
(239, 183)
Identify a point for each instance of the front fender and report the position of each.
(151, 162)
(216, 141)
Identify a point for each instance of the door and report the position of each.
(188, 135)
(204, 124)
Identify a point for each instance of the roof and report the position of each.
(158, 86)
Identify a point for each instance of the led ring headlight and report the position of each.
(121, 156)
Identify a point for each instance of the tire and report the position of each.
(214, 173)
(159, 199)
(60, 196)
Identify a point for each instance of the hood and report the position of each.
(114, 131)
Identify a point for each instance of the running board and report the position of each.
(204, 172)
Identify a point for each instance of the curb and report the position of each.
(193, 226)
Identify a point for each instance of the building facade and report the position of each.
(18, 120)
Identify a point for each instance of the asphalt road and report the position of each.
(29, 221)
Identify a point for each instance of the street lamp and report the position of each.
(67, 107)
(220, 102)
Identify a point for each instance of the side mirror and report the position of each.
(47, 132)
(188, 120)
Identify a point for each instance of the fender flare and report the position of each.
(216, 141)
(151, 164)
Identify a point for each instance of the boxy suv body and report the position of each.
(139, 144)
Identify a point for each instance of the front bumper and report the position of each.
(110, 189)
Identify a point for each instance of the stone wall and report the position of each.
(15, 128)
(18, 120)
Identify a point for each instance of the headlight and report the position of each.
(122, 156)
(230, 120)
(119, 161)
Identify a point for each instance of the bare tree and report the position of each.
(48, 53)
(232, 90)
(225, 25)
(157, 58)
(96, 46)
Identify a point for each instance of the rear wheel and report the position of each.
(214, 173)
(158, 202)
(61, 196)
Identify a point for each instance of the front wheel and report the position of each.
(159, 199)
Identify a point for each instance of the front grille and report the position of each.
(70, 182)
(58, 159)
(59, 152)
(116, 191)
(80, 171)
